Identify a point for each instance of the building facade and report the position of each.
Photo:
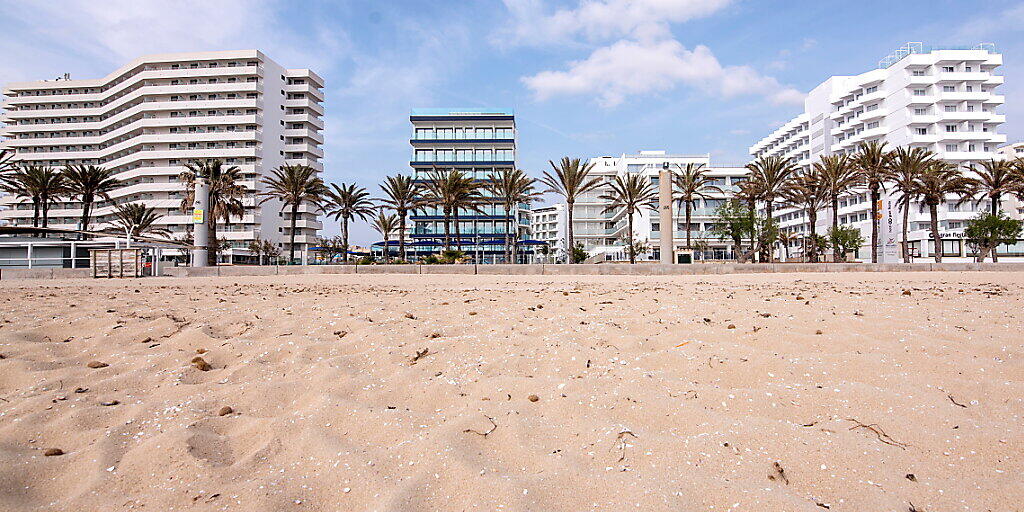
(149, 118)
(548, 224)
(944, 99)
(479, 142)
(1012, 150)
(604, 233)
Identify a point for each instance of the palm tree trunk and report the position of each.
(35, 213)
(934, 211)
(46, 211)
(344, 239)
(906, 220)
(213, 244)
(767, 252)
(753, 227)
(874, 223)
(689, 205)
(508, 235)
(568, 231)
(458, 231)
(812, 217)
(401, 234)
(291, 235)
(629, 236)
(85, 218)
(995, 208)
(447, 228)
(835, 228)
(387, 250)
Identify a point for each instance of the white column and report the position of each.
(665, 216)
(74, 253)
(29, 255)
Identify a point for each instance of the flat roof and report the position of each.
(463, 111)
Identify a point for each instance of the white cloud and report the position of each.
(626, 68)
(61, 36)
(600, 20)
(991, 24)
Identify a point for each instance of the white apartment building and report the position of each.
(548, 224)
(603, 234)
(940, 98)
(146, 120)
(1012, 150)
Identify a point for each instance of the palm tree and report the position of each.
(136, 219)
(226, 195)
(346, 203)
(787, 238)
(809, 191)
(692, 182)
(293, 185)
(385, 225)
(570, 180)
(872, 163)
(42, 185)
(403, 195)
(839, 176)
(512, 187)
(631, 193)
(466, 197)
(7, 162)
(995, 178)
(452, 190)
(86, 183)
(770, 176)
(937, 181)
(905, 168)
(748, 194)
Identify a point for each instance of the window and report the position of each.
(949, 108)
(872, 125)
(950, 128)
(921, 131)
(920, 111)
(951, 147)
(918, 72)
(968, 69)
(969, 88)
(871, 89)
(948, 88)
(919, 92)
(948, 69)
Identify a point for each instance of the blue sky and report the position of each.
(585, 77)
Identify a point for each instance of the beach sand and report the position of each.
(842, 392)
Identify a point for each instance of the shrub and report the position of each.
(986, 232)
(579, 254)
(845, 239)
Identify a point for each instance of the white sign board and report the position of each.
(888, 231)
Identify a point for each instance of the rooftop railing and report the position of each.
(917, 47)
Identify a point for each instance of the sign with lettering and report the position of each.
(888, 231)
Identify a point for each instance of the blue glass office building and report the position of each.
(479, 142)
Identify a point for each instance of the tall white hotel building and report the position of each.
(941, 98)
(146, 120)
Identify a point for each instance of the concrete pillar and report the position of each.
(665, 215)
(74, 256)
(201, 231)
(29, 253)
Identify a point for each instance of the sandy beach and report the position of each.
(810, 392)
